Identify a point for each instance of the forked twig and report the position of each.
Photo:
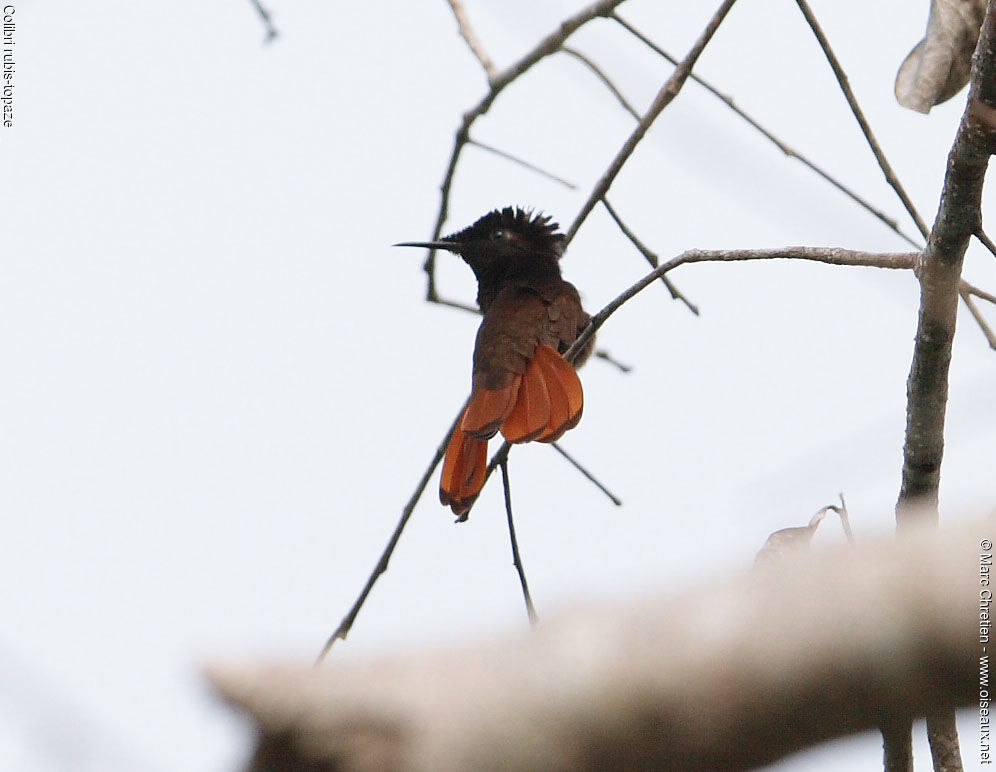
(549, 45)
(516, 559)
(650, 255)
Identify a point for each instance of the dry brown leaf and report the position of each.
(784, 542)
(939, 66)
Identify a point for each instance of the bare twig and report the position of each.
(650, 255)
(574, 462)
(347, 621)
(470, 37)
(516, 559)
(971, 289)
(523, 163)
(979, 318)
(876, 149)
(664, 97)
(986, 241)
(790, 152)
(845, 521)
(606, 356)
(604, 78)
(829, 255)
(271, 31)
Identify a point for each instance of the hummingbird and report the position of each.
(521, 385)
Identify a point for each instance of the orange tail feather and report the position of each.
(464, 468)
(532, 409)
(488, 409)
(565, 391)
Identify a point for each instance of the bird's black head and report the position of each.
(502, 241)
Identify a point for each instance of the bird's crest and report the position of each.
(534, 228)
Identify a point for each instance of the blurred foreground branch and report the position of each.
(733, 675)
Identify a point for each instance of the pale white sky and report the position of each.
(221, 383)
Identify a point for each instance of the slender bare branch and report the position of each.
(971, 289)
(789, 151)
(979, 318)
(347, 621)
(829, 255)
(607, 357)
(574, 462)
(264, 15)
(664, 97)
(600, 74)
(471, 39)
(859, 115)
(516, 559)
(523, 163)
(845, 521)
(986, 241)
(650, 255)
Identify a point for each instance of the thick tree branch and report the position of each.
(959, 216)
(734, 675)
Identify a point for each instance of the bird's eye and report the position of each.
(496, 235)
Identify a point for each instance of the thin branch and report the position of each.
(470, 37)
(790, 152)
(606, 356)
(971, 289)
(986, 241)
(604, 78)
(876, 149)
(523, 163)
(664, 97)
(549, 45)
(347, 621)
(271, 31)
(845, 521)
(516, 559)
(612, 497)
(979, 318)
(650, 255)
(456, 304)
(829, 255)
